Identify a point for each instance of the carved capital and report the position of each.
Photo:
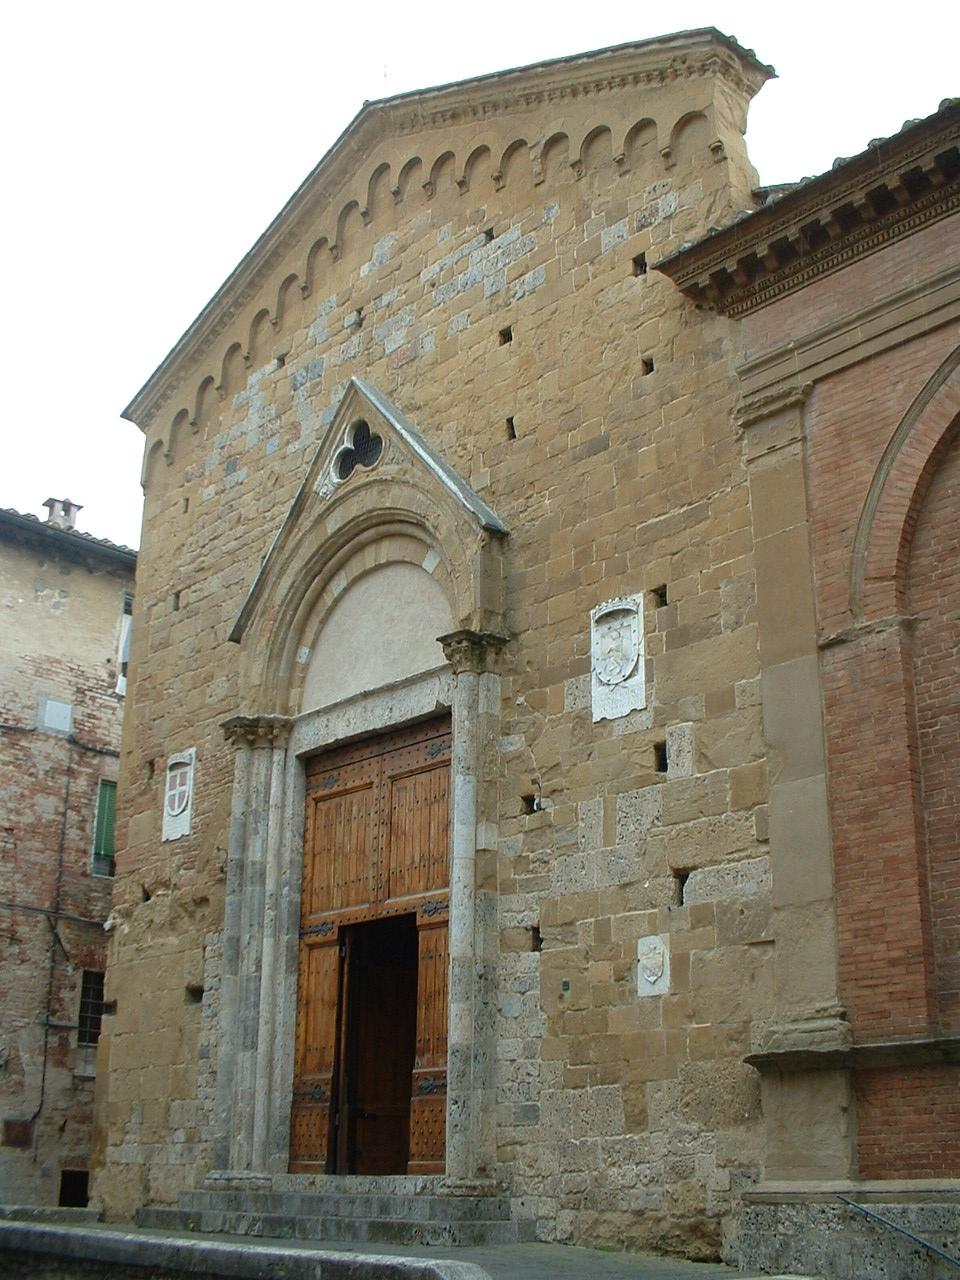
(755, 408)
(472, 650)
(257, 731)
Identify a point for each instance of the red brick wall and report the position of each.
(891, 707)
(933, 596)
(909, 1122)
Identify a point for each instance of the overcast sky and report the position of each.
(148, 145)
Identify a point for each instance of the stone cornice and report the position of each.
(897, 186)
(873, 1054)
(686, 55)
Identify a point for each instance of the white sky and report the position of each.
(148, 145)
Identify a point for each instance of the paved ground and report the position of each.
(523, 1261)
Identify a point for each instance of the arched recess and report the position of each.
(337, 532)
(690, 140)
(477, 170)
(442, 174)
(257, 338)
(640, 148)
(314, 267)
(378, 192)
(176, 429)
(408, 179)
(151, 460)
(882, 541)
(929, 591)
(515, 165)
(555, 159)
(203, 405)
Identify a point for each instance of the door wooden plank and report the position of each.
(428, 1104)
(318, 998)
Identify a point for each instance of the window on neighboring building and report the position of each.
(123, 649)
(91, 1007)
(103, 839)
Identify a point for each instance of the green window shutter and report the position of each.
(103, 837)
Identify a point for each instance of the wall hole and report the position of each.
(536, 938)
(176, 601)
(193, 994)
(660, 757)
(531, 803)
(281, 359)
(150, 768)
(488, 234)
(660, 595)
(186, 505)
(506, 335)
(109, 1008)
(511, 430)
(680, 879)
(640, 265)
(647, 365)
(145, 893)
(74, 1185)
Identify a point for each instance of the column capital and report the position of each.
(257, 731)
(475, 651)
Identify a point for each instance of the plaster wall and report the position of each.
(60, 619)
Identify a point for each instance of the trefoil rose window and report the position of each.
(363, 450)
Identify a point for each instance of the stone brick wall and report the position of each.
(514, 323)
(61, 617)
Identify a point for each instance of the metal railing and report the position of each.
(895, 1226)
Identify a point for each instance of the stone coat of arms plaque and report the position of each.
(616, 658)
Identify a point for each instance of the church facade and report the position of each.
(533, 778)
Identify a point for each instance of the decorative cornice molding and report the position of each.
(475, 651)
(894, 188)
(697, 54)
(257, 731)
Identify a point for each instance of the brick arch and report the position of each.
(887, 521)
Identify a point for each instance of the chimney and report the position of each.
(63, 512)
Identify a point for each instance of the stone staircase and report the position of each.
(347, 1209)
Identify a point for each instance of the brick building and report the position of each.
(536, 590)
(66, 600)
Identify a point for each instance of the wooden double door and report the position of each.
(369, 1089)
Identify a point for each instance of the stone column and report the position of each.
(471, 1133)
(246, 1026)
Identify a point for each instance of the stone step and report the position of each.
(340, 1228)
(327, 1203)
(47, 1213)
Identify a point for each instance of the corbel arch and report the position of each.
(888, 518)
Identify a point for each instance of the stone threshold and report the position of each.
(875, 1191)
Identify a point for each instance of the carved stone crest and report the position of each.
(616, 658)
(617, 637)
(653, 966)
